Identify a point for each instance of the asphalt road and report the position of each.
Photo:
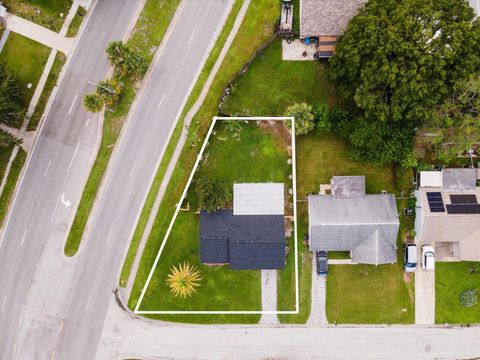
(35, 279)
(51, 306)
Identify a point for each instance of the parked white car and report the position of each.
(428, 257)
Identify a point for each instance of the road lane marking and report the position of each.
(131, 171)
(100, 41)
(21, 320)
(53, 354)
(161, 101)
(67, 203)
(191, 37)
(4, 302)
(109, 234)
(73, 103)
(71, 163)
(48, 167)
(24, 236)
(88, 303)
(88, 120)
(14, 347)
(54, 211)
(61, 328)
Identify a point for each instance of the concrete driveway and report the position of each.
(424, 296)
(319, 295)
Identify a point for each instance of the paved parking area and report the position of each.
(424, 296)
(269, 296)
(319, 295)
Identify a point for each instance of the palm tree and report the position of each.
(110, 91)
(93, 102)
(183, 280)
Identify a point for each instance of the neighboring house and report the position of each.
(252, 235)
(326, 20)
(475, 4)
(351, 220)
(448, 213)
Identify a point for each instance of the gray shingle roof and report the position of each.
(367, 226)
(327, 17)
(244, 241)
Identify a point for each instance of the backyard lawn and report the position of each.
(43, 12)
(258, 154)
(26, 59)
(451, 279)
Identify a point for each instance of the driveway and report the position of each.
(424, 296)
(319, 295)
(269, 296)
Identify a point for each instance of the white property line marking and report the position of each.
(161, 101)
(179, 204)
(86, 124)
(191, 37)
(24, 236)
(71, 163)
(4, 302)
(48, 167)
(73, 103)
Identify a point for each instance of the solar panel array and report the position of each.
(463, 204)
(435, 202)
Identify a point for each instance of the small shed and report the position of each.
(258, 199)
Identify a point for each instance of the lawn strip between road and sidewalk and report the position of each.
(76, 21)
(51, 82)
(257, 27)
(149, 203)
(159, 14)
(13, 175)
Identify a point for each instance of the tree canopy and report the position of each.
(212, 193)
(398, 60)
(127, 61)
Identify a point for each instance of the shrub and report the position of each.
(337, 116)
(212, 193)
(403, 178)
(183, 280)
(469, 298)
(93, 102)
(304, 119)
(110, 91)
(322, 120)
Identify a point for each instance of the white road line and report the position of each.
(131, 171)
(73, 103)
(191, 37)
(108, 235)
(48, 167)
(14, 347)
(4, 302)
(161, 101)
(100, 41)
(88, 303)
(21, 320)
(54, 211)
(86, 124)
(71, 163)
(24, 236)
(61, 327)
(53, 354)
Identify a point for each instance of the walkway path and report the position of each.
(4, 38)
(38, 33)
(178, 149)
(319, 295)
(269, 296)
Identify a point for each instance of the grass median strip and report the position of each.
(159, 14)
(12, 178)
(173, 143)
(51, 82)
(257, 27)
(76, 22)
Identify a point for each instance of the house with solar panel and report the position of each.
(351, 220)
(251, 236)
(448, 213)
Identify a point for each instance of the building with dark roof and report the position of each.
(249, 238)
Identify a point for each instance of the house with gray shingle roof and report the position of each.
(351, 220)
(249, 236)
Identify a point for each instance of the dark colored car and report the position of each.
(322, 262)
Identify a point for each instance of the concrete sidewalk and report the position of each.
(38, 33)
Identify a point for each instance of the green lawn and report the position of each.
(76, 22)
(257, 27)
(26, 58)
(51, 82)
(451, 279)
(367, 294)
(43, 12)
(270, 85)
(6, 147)
(12, 179)
(114, 120)
(259, 155)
